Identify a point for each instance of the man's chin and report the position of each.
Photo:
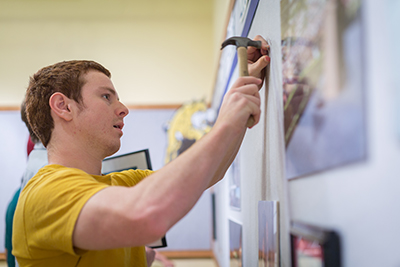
(112, 150)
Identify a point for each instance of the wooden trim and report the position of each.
(6, 108)
(150, 106)
(228, 18)
(174, 254)
(160, 106)
(188, 254)
(223, 37)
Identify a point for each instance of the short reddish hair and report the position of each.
(65, 77)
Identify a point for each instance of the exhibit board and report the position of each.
(312, 57)
(258, 170)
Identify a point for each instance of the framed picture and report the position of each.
(214, 216)
(314, 246)
(189, 123)
(323, 84)
(135, 160)
(268, 234)
(235, 244)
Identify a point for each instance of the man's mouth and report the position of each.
(119, 125)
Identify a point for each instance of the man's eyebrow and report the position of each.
(112, 91)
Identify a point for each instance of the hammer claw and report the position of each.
(241, 42)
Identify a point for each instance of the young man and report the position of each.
(71, 215)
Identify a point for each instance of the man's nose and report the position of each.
(122, 110)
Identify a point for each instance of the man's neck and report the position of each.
(72, 156)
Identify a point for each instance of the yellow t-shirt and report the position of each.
(46, 213)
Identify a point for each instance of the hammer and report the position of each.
(241, 46)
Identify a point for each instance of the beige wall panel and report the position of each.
(155, 57)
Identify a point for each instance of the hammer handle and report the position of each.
(242, 61)
(243, 71)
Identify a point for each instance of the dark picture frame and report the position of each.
(314, 246)
(134, 160)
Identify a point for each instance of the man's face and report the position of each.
(100, 120)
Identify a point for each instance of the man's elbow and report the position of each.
(152, 224)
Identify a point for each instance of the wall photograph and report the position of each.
(323, 89)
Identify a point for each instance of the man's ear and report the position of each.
(60, 105)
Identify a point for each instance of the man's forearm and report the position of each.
(175, 189)
(228, 159)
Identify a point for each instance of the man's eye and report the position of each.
(107, 96)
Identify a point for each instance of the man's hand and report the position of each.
(258, 59)
(241, 101)
(150, 255)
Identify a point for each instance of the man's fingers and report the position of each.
(254, 108)
(246, 80)
(259, 65)
(242, 101)
(264, 46)
(246, 90)
(249, 102)
(249, 92)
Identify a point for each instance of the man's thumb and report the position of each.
(259, 65)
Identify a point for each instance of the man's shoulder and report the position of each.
(129, 177)
(56, 175)
(54, 170)
(137, 173)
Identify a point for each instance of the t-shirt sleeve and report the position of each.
(129, 177)
(55, 204)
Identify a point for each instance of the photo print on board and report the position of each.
(323, 87)
(268, 234)
(235, 244)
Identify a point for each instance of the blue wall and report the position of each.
(143, 129)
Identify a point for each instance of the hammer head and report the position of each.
(241, 41)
